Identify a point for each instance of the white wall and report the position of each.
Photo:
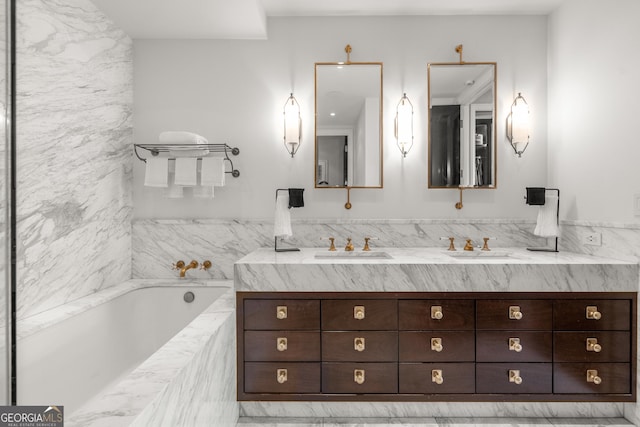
(594, 94)
(234, 91)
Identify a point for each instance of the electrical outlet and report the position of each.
(593, 239)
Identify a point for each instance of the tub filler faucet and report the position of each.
(180, 265)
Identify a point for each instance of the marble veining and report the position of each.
(74, 101)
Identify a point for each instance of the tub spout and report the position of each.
(192, 264)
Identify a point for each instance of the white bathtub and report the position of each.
(77, 360)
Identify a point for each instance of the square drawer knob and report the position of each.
(592, 345)
(436, 344)
(592, 313)
(358, 344)
(436, 312)
(436, 376)
(592, 376)
(514, 345)
(358, 376)
(358, 312)
(514, 376)
(515, 313)
(281, 312)
(281, 344)
(281, 376)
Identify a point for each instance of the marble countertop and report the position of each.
(432, 269)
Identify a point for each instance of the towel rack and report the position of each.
(156, 149)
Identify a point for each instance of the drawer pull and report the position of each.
(281, 312)
(514, 376)
(436, 344)
(281, 376)
(514, 345)
(515, 313)
(281, 344)
(593, 313)
(358, 312)
(358, 344)
(358, 376)
(436, 376)
(436, 312)
(592, 376)
(592, 345)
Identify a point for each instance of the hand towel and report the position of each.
(156, 172)
(201, 192)
(212, 171)
(282, 221)
(181, 137)
(173, 191)
(547, 225)
(186, 171)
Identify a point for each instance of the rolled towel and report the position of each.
(547, 224)
(173, 191)
(186, 171)
(212, 171)
(282, 221)
(182, 137)
(156, 172)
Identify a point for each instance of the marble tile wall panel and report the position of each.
(74, 158)
(157, 244)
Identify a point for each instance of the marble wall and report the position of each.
(74, 135)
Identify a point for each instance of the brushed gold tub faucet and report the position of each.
(180, 265)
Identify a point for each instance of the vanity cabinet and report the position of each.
(421, 346)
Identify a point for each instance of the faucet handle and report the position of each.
(178, 265)
(205, 265)
(332, 247)
(366, 243)
(485, 247)
(451, 246)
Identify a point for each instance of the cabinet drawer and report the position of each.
(376, 378)
(420, 378)
(269, 378)
(281, 346)
(573, 378)
(281, 314)
(502, 378)
(455, 346)
(514, 346)
(415, 315)
(581, 346)
(502, 314)
(360, 346)
(359, 315)
(614, 315)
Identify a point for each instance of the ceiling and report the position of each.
(247, 19)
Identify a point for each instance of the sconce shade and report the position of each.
(404, 125)
(519, 124)
(292, 125)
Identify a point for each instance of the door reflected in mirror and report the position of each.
(462, 147)
(348, 131)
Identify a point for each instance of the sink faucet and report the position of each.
(468, 246)
(180, 265)
(349, 246)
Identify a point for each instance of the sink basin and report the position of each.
(479, 254)
(352, 255)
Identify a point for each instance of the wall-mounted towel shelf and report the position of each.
(193, 150)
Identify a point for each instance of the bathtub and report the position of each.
(130, 348)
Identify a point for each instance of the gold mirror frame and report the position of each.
(492, 145)
(319, 132)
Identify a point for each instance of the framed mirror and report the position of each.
(348, 125)
(462, 125)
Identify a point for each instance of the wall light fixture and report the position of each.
(292, 125)
(518, 125)
(404, 125)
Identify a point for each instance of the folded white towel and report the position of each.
(156, 172)
(173, 191)
(181, 137)
(212, 171)
(186, 171)
(282, 221)
(547, 225)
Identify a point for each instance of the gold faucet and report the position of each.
(349, 247)
(366, 244)
(468, 246)
(183, 268)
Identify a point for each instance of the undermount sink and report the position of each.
(479, 254)
(353, 254)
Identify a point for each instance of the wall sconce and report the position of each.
(292, 125)
(518, 124)
(404, 125)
